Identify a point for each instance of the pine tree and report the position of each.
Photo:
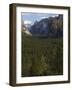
(39, 66)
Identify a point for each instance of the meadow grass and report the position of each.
(41, 56)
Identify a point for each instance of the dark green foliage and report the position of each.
(41, 56)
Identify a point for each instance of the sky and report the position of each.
(30, 18)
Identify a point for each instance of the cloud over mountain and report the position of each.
(48, 27)
(27, 22)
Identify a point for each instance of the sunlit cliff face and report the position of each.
(26, 31)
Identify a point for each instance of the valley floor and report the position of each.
(41, 56)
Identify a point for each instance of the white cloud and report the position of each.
(43, 17)
(48, 16)
(27, 22)
(54, 15)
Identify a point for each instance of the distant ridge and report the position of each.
(46, 27)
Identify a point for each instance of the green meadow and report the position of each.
(41, 56)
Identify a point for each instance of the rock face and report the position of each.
(48, 27)
(26, 30)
